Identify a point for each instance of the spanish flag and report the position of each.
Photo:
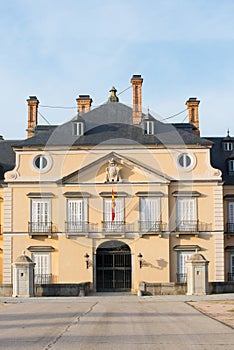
(113, 205)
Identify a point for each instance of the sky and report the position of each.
(57, 50)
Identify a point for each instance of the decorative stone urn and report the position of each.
(23, 277)
(197, 275)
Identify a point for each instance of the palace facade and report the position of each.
(115, 197)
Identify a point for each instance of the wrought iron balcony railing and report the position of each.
(40, 227)
(151, 226)
(181, 277)
(43, 278)
(187, 226)
(113, 226)
(230, 276)
(230, 227)
(74, 226)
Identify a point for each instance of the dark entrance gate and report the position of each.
(113, 267)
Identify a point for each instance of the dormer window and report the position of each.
(228, 146)
(231, 167)
(148, 127)
(228, 142)
(78, 128)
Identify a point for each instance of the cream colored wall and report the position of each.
(1, 236)
(205, 241)
(161, 160)
(160, 260)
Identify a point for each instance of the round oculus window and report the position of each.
(185, 161)
(40, 162)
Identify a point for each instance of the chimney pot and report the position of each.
(137, 81)
(193, 117)
(33, 103)
(83, 104)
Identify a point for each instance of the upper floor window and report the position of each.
(76, 215)
(228, 146)
(184, 160)
(113, 214)
(186, 214)
(78, 128)
(40, 215)
(42, 163)
(150, 214)
(148, 127)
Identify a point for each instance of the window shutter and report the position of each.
(182, 259)
(77, 210)
(42, 261)
(40, 215)
(150, 209)
(186, 209)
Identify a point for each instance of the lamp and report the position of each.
(86, 256)
(140, 256)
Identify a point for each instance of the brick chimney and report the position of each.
(84, 104)
(137, 98)
(33, 103)
(193, 118)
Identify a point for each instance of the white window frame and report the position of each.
(41, 157)
(78, 128)
(228, 145)
(118, 222)
(42, 269)
(149, 127)
(40, 215)
(182, 258)
(186, 213)
(77, 214)
(150, 213)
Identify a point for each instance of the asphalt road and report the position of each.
(109, 323)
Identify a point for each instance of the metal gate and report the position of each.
(113, 269)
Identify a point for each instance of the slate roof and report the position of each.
(112, 123)
(7, 156)
(220, 157)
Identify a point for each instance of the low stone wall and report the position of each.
(6, 290)
(62, 289)
(172, 288)
(52, 290)
(221, 287)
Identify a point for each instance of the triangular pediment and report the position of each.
(129, 171)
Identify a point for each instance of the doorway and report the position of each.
(113, 267)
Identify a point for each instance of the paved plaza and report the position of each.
(111, 322)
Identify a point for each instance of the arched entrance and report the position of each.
(113, 267)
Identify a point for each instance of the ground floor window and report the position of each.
(42, 269)
(231, 268)
(183, 257)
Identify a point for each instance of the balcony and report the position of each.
(40, 229)
(192, 227)
(230, 277)
(113, 226)
(76, 227)
(181, 277)
(151, 226)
